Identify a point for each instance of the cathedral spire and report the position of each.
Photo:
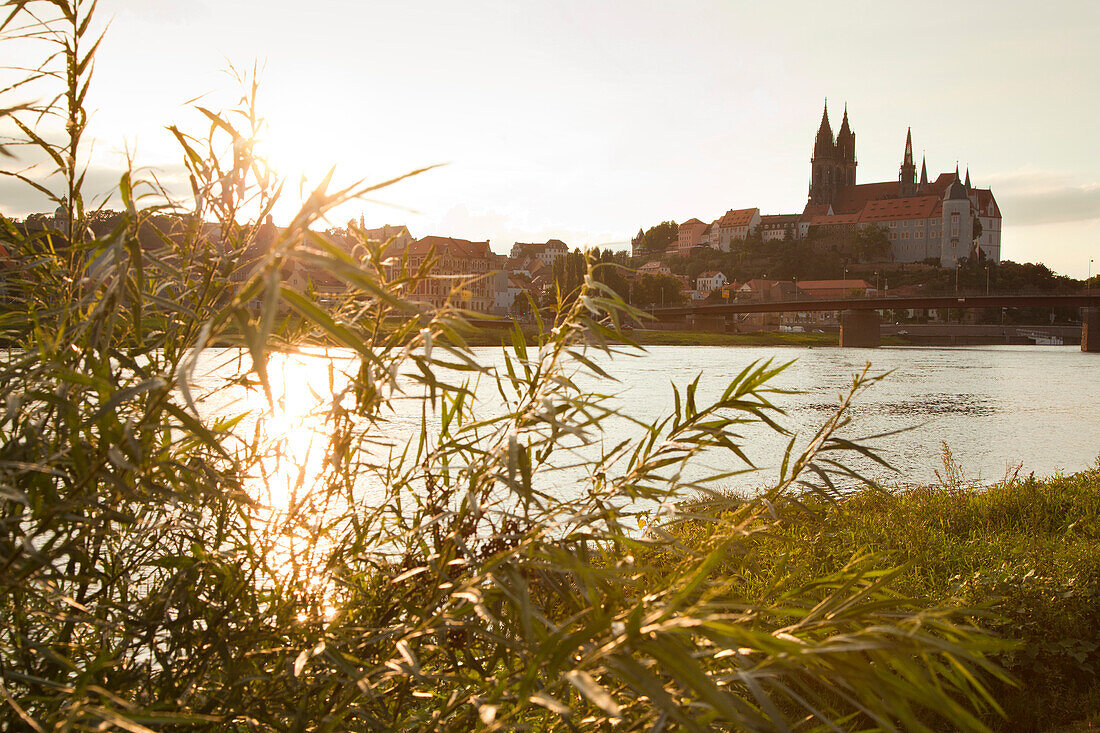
(846, 152)
(823, 146)
(967, 184)
(907, 176)
(923, 185)
(827, 173)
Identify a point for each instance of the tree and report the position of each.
(657, 290)
(657, 238)
(871, 243)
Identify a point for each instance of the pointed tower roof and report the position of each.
(846, 140)
(923, 174)
(823, 145)
(908, 159)
(967, 184)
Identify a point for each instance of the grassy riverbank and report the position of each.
(1022, 556)
(647, 337)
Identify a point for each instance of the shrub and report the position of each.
(149, 582)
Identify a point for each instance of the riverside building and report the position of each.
(945, 219)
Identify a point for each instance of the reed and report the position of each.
(146, 585)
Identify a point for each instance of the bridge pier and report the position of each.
(860, 329)
(1090, 329)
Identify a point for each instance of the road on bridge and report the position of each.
(881, 303)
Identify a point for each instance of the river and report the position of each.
(999, 409)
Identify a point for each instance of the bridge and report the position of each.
(859, 322)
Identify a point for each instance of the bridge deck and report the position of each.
(883, 303)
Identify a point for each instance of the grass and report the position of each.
(153, 578)
(1022, 556)
(653, 337)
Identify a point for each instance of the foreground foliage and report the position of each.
(1023, 554)
(487, 569)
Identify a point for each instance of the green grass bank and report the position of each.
(1022, 557)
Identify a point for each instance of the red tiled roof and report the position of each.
(851, 199)
(450, 246)
(780, 218)
(987, 205)
(910, 207)
(691, 222)
(758, 285)
(815, 210)
(737, 218)
(852, 218)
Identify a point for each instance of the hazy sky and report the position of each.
(588, 120)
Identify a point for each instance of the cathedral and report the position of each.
(944, 219)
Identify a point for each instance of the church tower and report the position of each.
(824, 165)
(846, 152)
(907, 177)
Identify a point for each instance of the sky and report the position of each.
(585, 121)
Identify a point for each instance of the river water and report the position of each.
(999, 409)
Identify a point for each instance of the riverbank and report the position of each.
(654, 337)
(1022, 556)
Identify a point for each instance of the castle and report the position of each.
(945, 219)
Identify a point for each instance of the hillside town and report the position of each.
(910, 236)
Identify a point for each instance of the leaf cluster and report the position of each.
(513, 561)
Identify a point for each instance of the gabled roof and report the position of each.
(781, 218)
(987, 205)
(821, 220)
(710, 274)
(816, 210)
(853, 198)
(737, 218)
(690, 222)
(385, 232)
(758, 285)
(910, 207)
(450, 246)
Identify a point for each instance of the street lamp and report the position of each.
(987, 279)
(956, 277)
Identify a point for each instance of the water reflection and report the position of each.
(987, 404)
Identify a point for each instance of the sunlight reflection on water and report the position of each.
(995, 407)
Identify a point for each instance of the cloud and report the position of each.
(1030, 197)
(18, 199)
